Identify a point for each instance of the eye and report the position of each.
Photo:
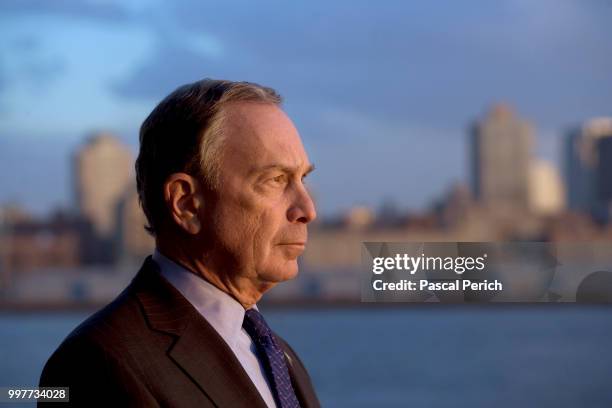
(280, 179)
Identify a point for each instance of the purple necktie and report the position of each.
(274, 361)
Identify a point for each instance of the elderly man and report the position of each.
(220, 177)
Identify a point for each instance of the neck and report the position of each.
(245, 288)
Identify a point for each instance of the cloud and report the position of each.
(2, 78)
(90, 9)
(416, 61)
(3, 104)
(25, 44)
(30, 62)
(41, 72)
(358, 56)
(169, 66)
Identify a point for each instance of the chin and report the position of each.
(292, 273)
(287, 271)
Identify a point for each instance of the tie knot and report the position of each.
(255, 324)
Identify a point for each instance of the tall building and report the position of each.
(603, 179)
(133, 242)
(582, 164)
(546, 189)
(501, 156)
(103, 172)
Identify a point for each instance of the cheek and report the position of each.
(243, 231)
(249, 227)
(265, 235)
(269, 233)
(230, 229)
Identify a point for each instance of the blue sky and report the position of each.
(382, 92)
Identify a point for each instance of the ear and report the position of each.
(183, 197)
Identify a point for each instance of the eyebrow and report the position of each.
(285, 169)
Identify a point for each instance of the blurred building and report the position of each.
(28, 244)
(456, 206)
(359, 217)
(603, 177)
(546, 189)
(501, 154)
(103, 171)
(584, 171)
(134, 243)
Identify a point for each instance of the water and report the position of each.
(414, 356)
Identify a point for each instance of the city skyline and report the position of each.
(558, 163)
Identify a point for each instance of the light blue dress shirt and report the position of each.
(224, 314)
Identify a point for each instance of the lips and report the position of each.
(292, 249)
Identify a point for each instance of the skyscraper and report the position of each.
(582, 164)
(501, 156)
(546, 189)
(603, 176)
(103, 170)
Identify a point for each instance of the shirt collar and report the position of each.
(224, 313)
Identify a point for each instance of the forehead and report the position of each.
(258, 134)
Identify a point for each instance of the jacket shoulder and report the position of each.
(95, 358)
(111, 327)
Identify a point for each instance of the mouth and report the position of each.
(292, 249)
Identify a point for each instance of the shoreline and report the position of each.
(307, 304)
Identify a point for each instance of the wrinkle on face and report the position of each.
(252, 218)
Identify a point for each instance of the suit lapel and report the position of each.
(208, 360)
(198, 350)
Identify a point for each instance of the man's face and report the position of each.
(261, 208)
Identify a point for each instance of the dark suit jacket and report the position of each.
(149, 348)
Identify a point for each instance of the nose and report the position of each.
(302, 209)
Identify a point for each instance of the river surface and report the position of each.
(410, 356)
